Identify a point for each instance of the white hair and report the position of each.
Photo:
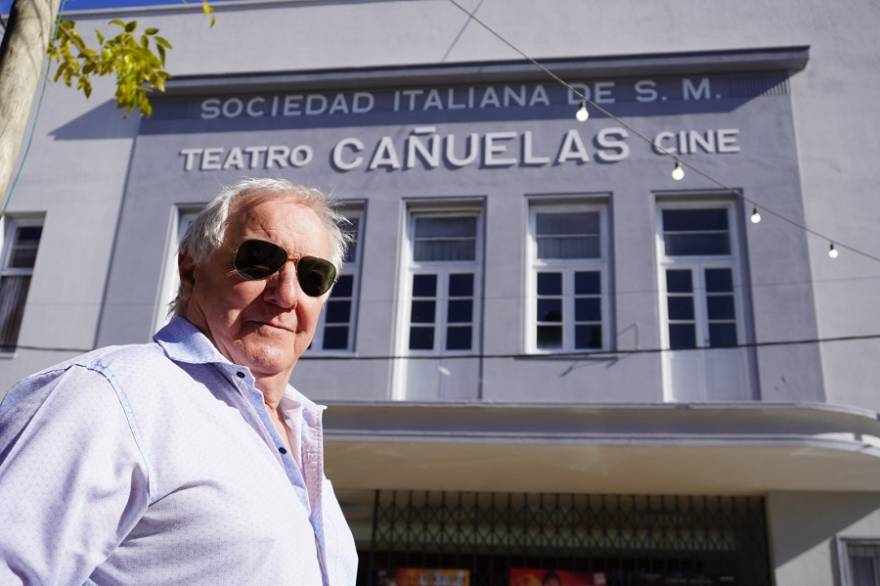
(208, 230)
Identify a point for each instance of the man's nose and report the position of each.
(282, 288)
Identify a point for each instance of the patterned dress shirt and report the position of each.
(158, 464)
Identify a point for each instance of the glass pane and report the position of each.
(587, 283)
(421, 338)
(461, 285)
(862, 571)
(720, 307)
(351, 227)
(549, 337)
(580, 247)
(422, 312)
(690, 220)
(682, 336)
(335, 338)
(549, 309)
(445, 250)
(13, 293)
(343, 286)
(446, 227)
(23, 257)
(28, 235)
(549, 283)
(680, 307)
(458, 338)
(722, 335)
(588, 336)
(338, 311)
(460, 311)
(697, 244)
(424, 285)
(589, 309)
(678, 281)
(547, 224)
(719, 280)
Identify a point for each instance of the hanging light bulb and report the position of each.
(755, 217)
(678, 171)
(582, 114)
(832, 252)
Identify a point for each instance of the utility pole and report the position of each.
(28, 31)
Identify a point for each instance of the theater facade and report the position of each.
(547, 353)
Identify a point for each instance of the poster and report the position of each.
(549, 577)
(426, 577)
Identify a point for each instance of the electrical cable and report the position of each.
(659, 147)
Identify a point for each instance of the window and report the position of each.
(336, 328)
(860, 562)
(19, 258)
(568, 253)
(443, 281)
(171, 281)
(699, 276)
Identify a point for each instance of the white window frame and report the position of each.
(352, 268)
(845, 560)
(442, 269)
(170, 281)
(698, 264)
(567, 266)
(8, 231)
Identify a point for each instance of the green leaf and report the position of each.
(207, 8)
(131, 26)
(163, 43)
(117, 22)
(213, 21)
(100, 37)
(151, 31)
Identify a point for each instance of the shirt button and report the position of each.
(239, 374)
(282, 450)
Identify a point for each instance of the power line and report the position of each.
(834, 242)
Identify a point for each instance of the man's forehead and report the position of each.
(269, 214)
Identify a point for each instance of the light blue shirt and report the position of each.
(158, 464)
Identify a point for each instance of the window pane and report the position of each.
(28, 234)
(722, 335)
(13, 293)
(421, 338)
(458, 338)
(446, 227)
(589, 309)
(678, 281)
(549, 283)
(579, 247)
(587, 283)
(461, 285)
(588, 336)
(549, 337)
(720, 307)
(424, 285)
(690, 220)
(680, 307)
(445, 250)
(335, 338)
(697, 244)
(549, 309)
(422, 312)
(351, 227)
(863, 571)
(682, 336)
(460, 311)
(547, 224)
(343, 286)
(23, 257)
(338, 311)
(719, 280)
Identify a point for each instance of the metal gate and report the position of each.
(632, 540)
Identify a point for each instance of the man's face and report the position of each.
(265, 324)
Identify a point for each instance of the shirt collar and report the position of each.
(183, 342)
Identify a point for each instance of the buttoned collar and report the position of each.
(183, 342)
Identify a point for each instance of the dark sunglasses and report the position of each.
(258, 259)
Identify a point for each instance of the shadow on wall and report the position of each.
(104, 121)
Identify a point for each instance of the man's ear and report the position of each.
(186, 268)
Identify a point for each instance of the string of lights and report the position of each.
(678, 171)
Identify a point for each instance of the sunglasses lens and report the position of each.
(257, 259)
(315, 275)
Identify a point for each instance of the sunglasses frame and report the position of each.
(287, 257)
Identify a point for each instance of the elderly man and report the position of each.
(190, 460)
